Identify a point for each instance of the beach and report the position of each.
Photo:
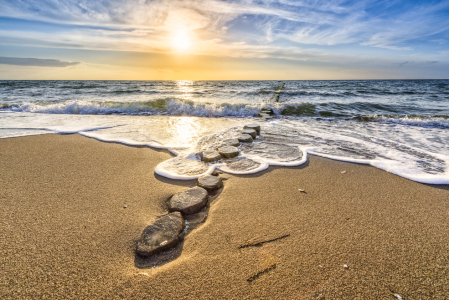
(73, 208)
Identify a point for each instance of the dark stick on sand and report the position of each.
(254, 244)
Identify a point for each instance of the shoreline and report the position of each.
(66, 233)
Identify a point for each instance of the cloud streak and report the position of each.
(36, 62)
(269, 28)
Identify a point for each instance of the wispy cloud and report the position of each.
(216, 26)
(36, 62)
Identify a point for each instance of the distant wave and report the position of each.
(338, 109)
(159, 106)
(361, 111)
(437, 121)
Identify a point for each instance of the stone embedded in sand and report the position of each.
(210, 183)
(254, 127)
(245, 138)
(189, 201)
(232, 142)
(251, 132)
(210, 156)
(228, 151)
(161, 235)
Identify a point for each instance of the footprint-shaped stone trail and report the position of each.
(167, 231)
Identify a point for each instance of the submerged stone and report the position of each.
(161, 235)
(254, 127)
(210, 183)
(210, 156)
(189, 201)
(251, 132)
(274, 151)
(232, 142)
(245, 138)
(229, 151)
(241, 164)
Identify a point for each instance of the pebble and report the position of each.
(189, 201)
(268, 111)
(228, 151)
(210, 156)
(210, 183)
(254, 127)
(251, 132)
(232, 142)
(161, 235)
(245, 138)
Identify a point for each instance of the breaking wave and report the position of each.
(177, 107)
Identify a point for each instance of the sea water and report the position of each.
(401, 126)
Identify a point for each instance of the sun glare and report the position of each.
(181, 41)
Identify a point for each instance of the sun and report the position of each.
(181, 40)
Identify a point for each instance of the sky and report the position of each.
(223, 40)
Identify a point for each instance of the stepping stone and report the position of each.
(254, 127)
(268, 111)
(251, 132)
(228, 151)
(189, 201)
(210, 156)
(232, 142)
(161, 235)
(210, 183)
(245, 138)
(265, 116)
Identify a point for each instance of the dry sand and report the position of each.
(65, 233)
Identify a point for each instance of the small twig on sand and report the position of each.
(266, 270)
(253, 244)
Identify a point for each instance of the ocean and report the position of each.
(400, 126)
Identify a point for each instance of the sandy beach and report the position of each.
(65, 232)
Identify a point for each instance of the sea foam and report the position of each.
(414, 152)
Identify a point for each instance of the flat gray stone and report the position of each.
(228, 151)
(232, 142)
(161, 235)
(251, 132)
(210, 156)
(189, 201)
(210, 183)
(245, 138)
(254, 127)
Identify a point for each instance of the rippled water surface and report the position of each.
(397, 125)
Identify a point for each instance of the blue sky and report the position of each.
(169, 39)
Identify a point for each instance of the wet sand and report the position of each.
(65, 233)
